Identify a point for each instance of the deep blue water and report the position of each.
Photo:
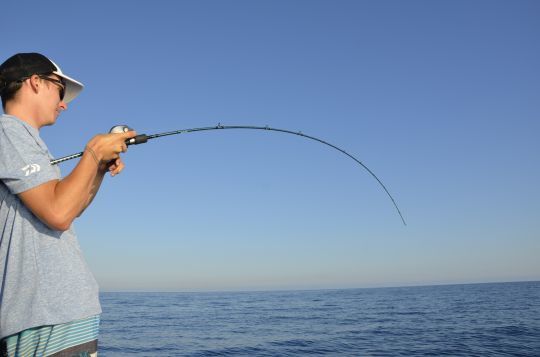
(500, 319)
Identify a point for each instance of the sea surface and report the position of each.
(501, 319)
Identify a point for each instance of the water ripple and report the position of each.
(455, 320)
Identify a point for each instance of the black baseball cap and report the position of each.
(24, 65)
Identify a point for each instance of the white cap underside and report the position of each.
(73, 87)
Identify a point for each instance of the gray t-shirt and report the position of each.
(45, 279)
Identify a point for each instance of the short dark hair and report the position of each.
(18, 67)
(9, 91)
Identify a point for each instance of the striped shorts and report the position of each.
(77, 338)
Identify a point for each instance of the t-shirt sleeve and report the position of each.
(24, 164)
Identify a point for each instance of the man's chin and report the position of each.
(51, 122)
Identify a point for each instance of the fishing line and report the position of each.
(143, 138)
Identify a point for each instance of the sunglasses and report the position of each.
(61, 84)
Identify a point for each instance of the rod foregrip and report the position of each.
(139, 139)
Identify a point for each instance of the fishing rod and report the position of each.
(143, 138)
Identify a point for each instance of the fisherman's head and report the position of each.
(23, 67)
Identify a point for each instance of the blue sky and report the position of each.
(441, 99)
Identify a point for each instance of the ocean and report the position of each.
(499, 319)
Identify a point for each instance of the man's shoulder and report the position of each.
(6, 119)
(9, 123)
(15, 128)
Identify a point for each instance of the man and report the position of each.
(49, 302)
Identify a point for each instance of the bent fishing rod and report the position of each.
(143, 138)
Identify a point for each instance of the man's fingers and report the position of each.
(129, 134)
(116, 167)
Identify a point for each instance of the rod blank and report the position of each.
(143, 138)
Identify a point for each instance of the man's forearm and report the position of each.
(95, 187)
(75, 192)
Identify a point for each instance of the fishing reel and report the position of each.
(139, 139)
(120, 129)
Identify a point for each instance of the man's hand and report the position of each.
(115, 166)
(107, 147)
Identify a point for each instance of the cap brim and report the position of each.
(73, 87)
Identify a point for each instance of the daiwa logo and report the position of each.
(30, 169)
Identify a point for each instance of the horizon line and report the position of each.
(255, 290)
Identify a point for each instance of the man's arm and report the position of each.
(114, 167)
(58, 202)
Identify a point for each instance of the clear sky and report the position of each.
(441, 99)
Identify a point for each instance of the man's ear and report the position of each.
(35, 83)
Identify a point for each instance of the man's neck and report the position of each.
(23, 114)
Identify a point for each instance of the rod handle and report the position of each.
(139, 139)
